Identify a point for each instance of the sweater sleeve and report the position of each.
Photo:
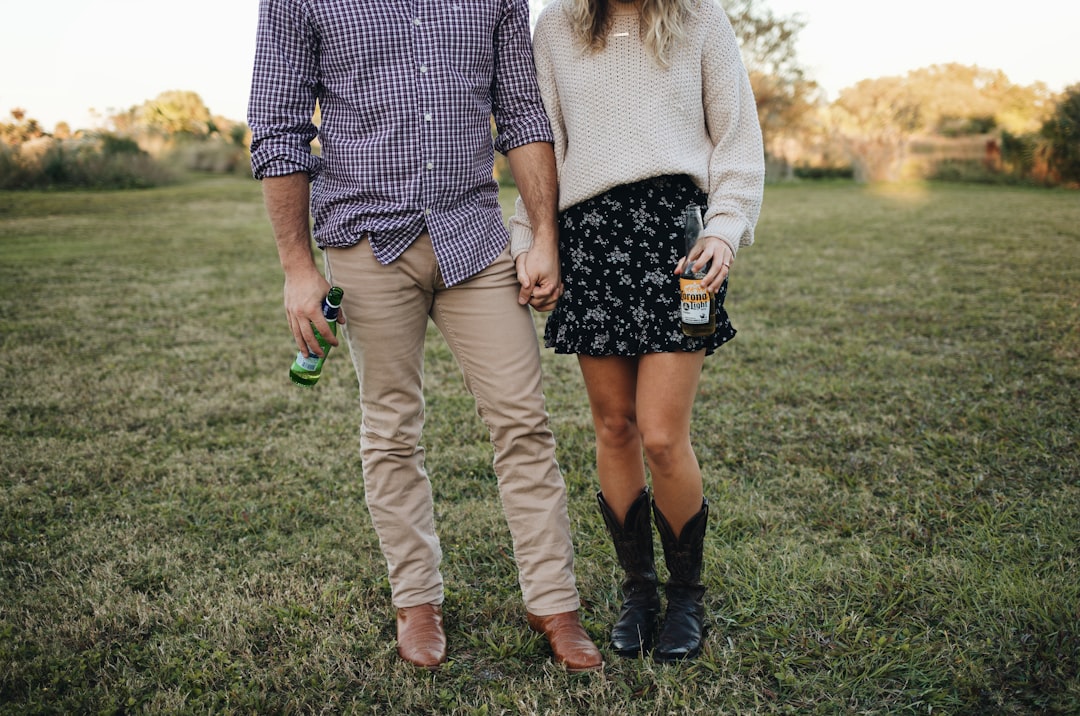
(737, 162)
(521, 235)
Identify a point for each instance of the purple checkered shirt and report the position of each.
(406, 90)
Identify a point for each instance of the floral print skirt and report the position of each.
(620, 294)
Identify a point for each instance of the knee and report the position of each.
(617, 431)
(662, 449)
(388, 433)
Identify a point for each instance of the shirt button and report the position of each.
(427, 116)
(416, 21)
(423, 68)
(430, 165)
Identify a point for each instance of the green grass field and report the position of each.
(890, 450)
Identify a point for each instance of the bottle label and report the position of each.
(307, 363)
(694, 302)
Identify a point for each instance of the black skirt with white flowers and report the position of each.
(621, 295)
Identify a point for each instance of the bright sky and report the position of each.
(845, 41)
(61, 59)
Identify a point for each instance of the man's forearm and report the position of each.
(286, 198)
(533, 167)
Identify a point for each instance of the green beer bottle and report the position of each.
(697, 307)
(307, 369)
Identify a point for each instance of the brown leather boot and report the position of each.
(570, 644)
(420, 635)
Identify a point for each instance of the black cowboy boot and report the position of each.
(634, 630)
(684, 622)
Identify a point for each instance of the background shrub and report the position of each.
(98, 161)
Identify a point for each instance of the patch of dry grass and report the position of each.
(890, 447)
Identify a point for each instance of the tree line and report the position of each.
(940, 122)
(146, 145)
(947, 121)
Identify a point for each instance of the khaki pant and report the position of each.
(495, 344)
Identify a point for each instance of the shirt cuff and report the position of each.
(274, 162)
(731, 230)
(521, 239)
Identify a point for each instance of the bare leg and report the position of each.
(666, 386)
(611, 382)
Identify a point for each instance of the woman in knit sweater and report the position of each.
(652, 111)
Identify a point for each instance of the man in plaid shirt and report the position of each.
(405, 210)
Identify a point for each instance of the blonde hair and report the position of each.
(662, 26)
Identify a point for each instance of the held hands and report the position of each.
(304, 294)
(709, 249)
(539, 275)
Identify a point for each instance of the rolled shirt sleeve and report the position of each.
(283, 92)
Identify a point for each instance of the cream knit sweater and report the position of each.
(619, 117)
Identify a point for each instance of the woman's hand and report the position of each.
(714, 251)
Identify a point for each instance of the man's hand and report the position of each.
(540, 277)
(533, 167)
(286, 199)
(304, 294)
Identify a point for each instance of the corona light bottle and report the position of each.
(307, 369)
(697, 307)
